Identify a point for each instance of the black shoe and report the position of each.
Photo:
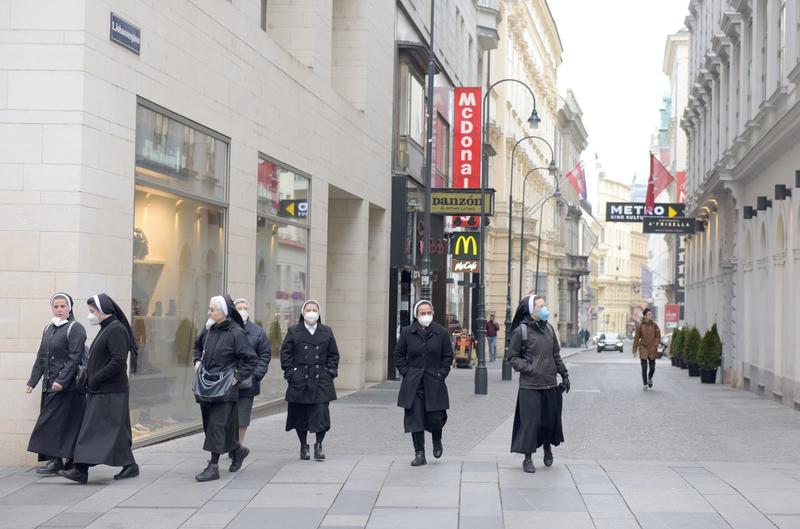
(650, 382)
(548, 458)
(128, 471)
(51, 468)
(209, 474)
(304, 452)
(527, 466)
(419, 459)
(319, 455)
(75, 475)
(238, 457)
(437, 448)
(68, 464)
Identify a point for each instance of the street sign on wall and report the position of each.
(672, 315)
(451, 201)
(634, 211)
(126, 34)
(678, 226)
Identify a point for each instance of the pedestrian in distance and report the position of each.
(491, 336)
(259, 342)
(61, 409)
(534, 352)
(105, 432)
(223, 362)
(310, 362)
(645, 341)
(423, 356)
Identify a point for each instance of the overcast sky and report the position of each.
(612, 60)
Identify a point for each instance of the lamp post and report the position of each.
(481, 375)
(506, 374)
(427, 275)
(552, 169)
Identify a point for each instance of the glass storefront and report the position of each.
(178, 263)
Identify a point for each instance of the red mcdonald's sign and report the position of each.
(467, 138)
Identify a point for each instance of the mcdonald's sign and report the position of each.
(466, 245)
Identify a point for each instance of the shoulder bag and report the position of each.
(211, 387)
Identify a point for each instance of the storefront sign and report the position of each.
(465, 265)
(466, 245)
(461, 202)
(125, 34)
(672, 315)
(683, 226)
(634, 211)
(467, 138)
(297, 209)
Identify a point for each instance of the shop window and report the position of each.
(442, 151)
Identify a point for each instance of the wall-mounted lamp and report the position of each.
(762, 203)
(749, 212)
(782, 192)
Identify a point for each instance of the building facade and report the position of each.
(742, 121)
(166, 153)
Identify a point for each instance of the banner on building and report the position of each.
(467, 143)
(635, 211)
(647, 283)
(672, 315)
(679, 226)
(461, 202)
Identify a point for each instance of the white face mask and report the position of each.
(58, 322)
(425, 320)
(311, 317)
(93, 319)
(244, 314)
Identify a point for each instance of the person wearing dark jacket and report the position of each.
(225, 349)
(61, 409)
(259, 342)
(535, 353)
(310, 362)
(423, 356)
(105, 433)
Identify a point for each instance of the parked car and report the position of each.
(609, 341)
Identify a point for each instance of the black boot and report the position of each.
(548, 456)
(419, 459)
(527, 465)
(319, 455)
(238, 458)
(437, 445)
(209, 474)
(304, 455)
(75, 474)
(419, 449)
(128, 471)
(51, 468)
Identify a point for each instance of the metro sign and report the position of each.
(635, 211)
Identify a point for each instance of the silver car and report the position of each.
(609, 341)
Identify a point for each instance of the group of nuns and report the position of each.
(84, 418)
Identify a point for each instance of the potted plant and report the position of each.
(691, 350)
(678, 347)
(710, 356)
(674, 344)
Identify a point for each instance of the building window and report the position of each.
(281, 258)
(782, 47)
(441, 151)
(412, 117)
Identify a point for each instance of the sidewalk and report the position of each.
(614, 471)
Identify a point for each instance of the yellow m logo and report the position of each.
(465, 246)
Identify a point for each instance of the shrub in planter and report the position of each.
(691, 351)
(710, 356)
(676, 347)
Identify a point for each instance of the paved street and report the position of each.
(685, 455)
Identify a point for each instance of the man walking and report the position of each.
(491, 334)
(646, 340)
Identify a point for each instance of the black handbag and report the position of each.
(211, 387)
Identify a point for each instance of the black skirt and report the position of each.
(58, 425)
(105, 436)
(308, 417)
(221, 426)
(417, 419)
(537, 420)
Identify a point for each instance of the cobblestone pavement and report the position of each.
(684, 455)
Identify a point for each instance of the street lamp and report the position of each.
(481, 374)
(557, 192)
(506, 365)
(427, 274)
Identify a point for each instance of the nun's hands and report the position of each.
(197, 365)
(57, 386)
(28, 389)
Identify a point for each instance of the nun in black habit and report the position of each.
(423, 356)
(310, 362)
(61, 410)
(225, 349)
(105, 433)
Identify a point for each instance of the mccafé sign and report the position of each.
(465, 245)
(467, 138)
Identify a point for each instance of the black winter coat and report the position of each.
(424, 357)
(226, 346)
(541, 359)
(259, 342)
(59, 356)
(310, 363)
(107, 366)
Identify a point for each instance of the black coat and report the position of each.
(310, 363)
(424, 357)
(540, 360)
(226, 346)
(259, 342)
(107, 366)
(59, 356)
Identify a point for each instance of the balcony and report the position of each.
(575, 265)
(488, 19)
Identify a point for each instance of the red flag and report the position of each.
(582, 180)
(660, 179)
(578, 180)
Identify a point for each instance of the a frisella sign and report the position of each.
(125, 34)
(461, 202)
